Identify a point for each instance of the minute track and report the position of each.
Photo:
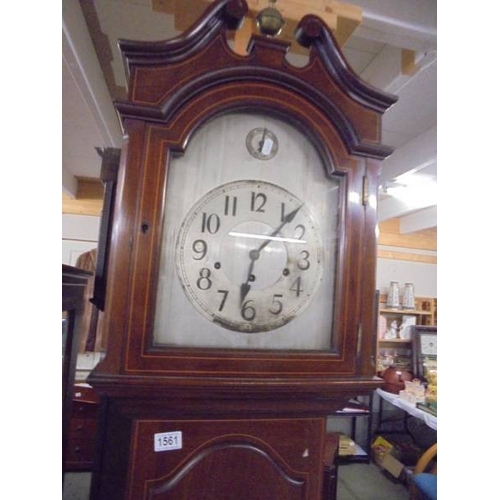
(276, 282)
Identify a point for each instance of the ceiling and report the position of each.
(392, 45)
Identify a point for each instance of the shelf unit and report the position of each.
(398, 351)
(356, 409)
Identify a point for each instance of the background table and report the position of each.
(406, 406)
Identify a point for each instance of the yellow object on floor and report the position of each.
(346, 445)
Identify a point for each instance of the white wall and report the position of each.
(80, 233)
(422, 275)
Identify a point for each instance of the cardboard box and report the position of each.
(346, 446)
(393, 454)
(392, 465)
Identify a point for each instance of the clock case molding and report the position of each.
(176, 86)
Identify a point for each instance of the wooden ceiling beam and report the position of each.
(391, 235)
(342, 18)
(88, 200)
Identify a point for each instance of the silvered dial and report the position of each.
(249, 256)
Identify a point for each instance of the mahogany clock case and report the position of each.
(176, 87)
(257, 402)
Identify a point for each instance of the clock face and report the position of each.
(428, 343)
(249, 245)
(249, 256)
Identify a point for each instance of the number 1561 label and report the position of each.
(166, 441)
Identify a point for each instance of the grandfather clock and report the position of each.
(241, 283)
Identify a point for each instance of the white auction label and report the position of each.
(166, 441)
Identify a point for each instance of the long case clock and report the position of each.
(241, 283)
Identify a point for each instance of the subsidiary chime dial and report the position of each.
(262, 143)
(249, 255)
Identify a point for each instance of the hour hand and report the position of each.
(244, 289)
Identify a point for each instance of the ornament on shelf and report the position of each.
(409, 296)
(392, 332)
(393, 295)
(406, 327)
(414, 391)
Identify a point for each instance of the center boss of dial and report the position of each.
(240, 247)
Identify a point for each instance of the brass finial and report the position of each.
(269, 20)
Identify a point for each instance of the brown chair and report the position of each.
(423, 482)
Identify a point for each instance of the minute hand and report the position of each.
(288, 218)
(255, 254)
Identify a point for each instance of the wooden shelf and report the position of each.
(353, 410)
(416, 312)
(394, 341)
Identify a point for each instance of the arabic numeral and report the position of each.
(200, 249)
(230, 204)
(166, 441)
(277, 304)
(210, 223)
(224, 298)
(204, 282)
(296, 287)
(299, 231)
(304, 264)
(248, 312)
(258, 201)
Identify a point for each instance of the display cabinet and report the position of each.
(82, 436)
(239, 301)
(394, 331)
(74, 282)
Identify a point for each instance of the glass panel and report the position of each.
(250, 240)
